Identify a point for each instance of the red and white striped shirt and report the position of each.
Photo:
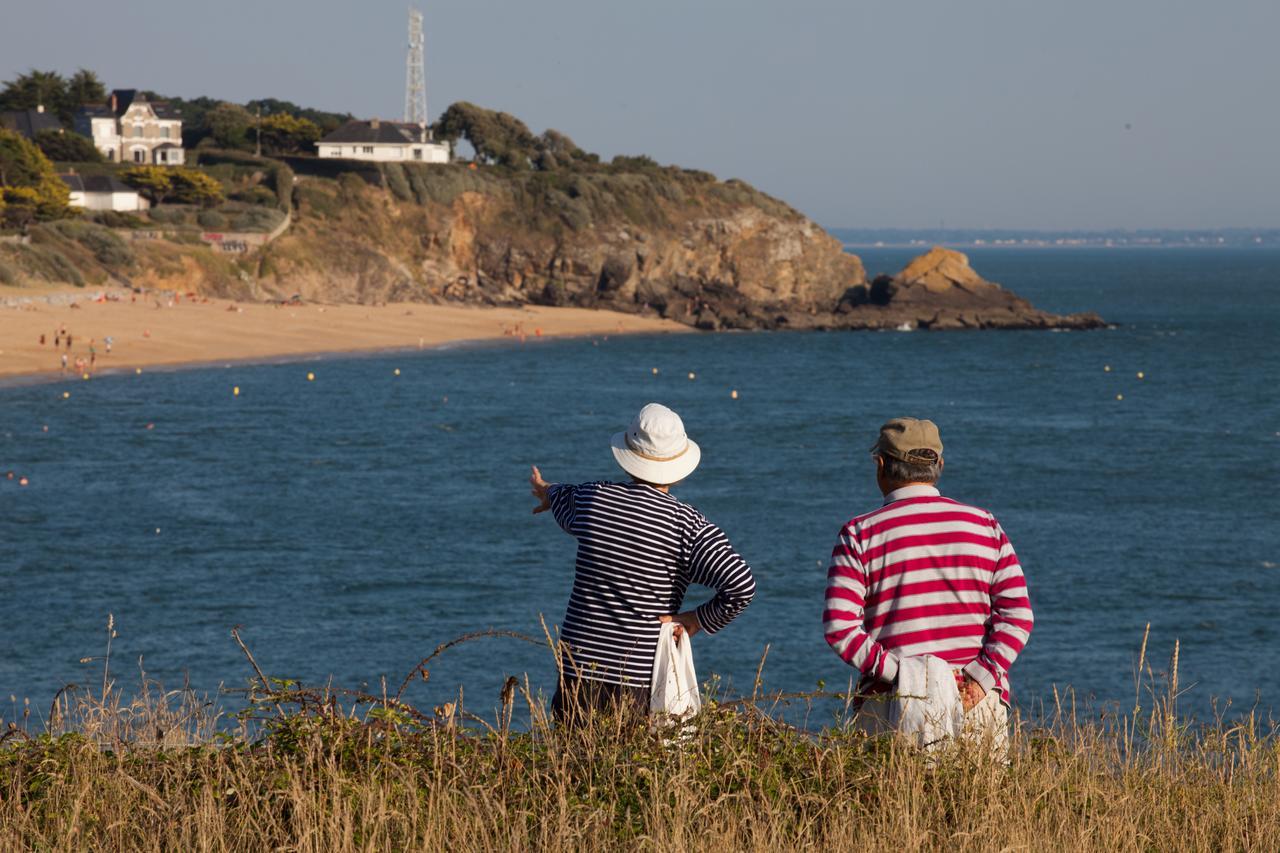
(926, 575)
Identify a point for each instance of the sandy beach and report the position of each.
(150, 330)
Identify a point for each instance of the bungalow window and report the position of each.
(417, 153)
(368, 149)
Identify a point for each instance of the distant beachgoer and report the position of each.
(924, 576)
(57, 341)
(68, 342)
(638, 550)
(64, 362)
(108, 342)
(93, 355)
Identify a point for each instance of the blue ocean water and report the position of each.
(351, 524)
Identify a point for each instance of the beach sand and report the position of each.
(149, 330)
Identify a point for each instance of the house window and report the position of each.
(368, 149)
(137, 130)
(139, 155)
(417, 153)
(164, 132)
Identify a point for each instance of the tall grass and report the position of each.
(325, 769)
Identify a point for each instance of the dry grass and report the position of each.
(299, 769)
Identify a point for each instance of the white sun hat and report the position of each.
(655, 448)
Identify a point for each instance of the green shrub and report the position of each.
(170, 214)
(211, 219)
(107, 248)
(8, 275)
(258, 195)
(397, 182)
(117, 219)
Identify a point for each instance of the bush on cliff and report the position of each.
(29, 183)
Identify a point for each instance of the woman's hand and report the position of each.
(540, 487)
(686, 622)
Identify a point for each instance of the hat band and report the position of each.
(638, 452)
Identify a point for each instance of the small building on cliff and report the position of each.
(384, 142)
(128, 128)
(103, 192)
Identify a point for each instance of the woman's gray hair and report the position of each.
(898, 471)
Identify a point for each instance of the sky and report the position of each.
(861, 113)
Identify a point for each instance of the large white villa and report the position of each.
(383, 141)
(131, 129)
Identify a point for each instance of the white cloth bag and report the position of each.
(927, 708)
(674, 689)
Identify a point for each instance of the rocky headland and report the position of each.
(538, 221)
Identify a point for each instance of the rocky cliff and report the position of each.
(628, 235)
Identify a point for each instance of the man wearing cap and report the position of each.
(638, 550)
(926, 575)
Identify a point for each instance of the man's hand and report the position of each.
(971, 693)
(686, 622)
(540, 487)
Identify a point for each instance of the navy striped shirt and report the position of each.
(638, 550)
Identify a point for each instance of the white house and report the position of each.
(103, 192)
(131, 129)
(383, 141)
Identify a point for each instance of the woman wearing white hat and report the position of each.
(638, 550)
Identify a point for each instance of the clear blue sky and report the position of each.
(904, 113)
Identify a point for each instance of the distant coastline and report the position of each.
(994, 238)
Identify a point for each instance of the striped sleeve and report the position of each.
(563, 499)
(1011, 619)
(714, 563)
(843, 618)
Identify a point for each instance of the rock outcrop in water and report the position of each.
(939, 290)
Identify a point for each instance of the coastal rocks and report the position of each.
(940, 291)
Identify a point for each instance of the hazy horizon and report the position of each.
(934, 115)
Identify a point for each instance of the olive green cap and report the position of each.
(905, 438)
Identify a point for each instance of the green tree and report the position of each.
(286, 134)
(497, 137)
(154, 182)
(194, 187)
(30, 185)
(33, 89)
(229, 125)
(83, 87)
(67, 147)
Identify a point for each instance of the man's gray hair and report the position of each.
(898, 471)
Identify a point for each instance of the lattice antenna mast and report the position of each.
(415, 75)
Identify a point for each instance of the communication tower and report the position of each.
(415, 75)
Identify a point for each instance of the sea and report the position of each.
(350, 524)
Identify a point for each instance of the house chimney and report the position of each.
(113, 102)
(39, 108)
(374, 124)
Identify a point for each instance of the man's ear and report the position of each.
(879, 464)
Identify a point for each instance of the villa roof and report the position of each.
(29, 122)
(96, 184)
(368, 132)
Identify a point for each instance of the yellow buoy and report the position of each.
(235, 391)
(66, 395)
(1119, 396)
(1141, 375)
(397, 371)
(1106, 368)
(311, 377)
(137, 370)
(734, 393)
(655, 371)
(692, 375)
(84, 376)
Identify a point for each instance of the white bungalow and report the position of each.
(103, 192)
(383, 141)
(131, 129)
